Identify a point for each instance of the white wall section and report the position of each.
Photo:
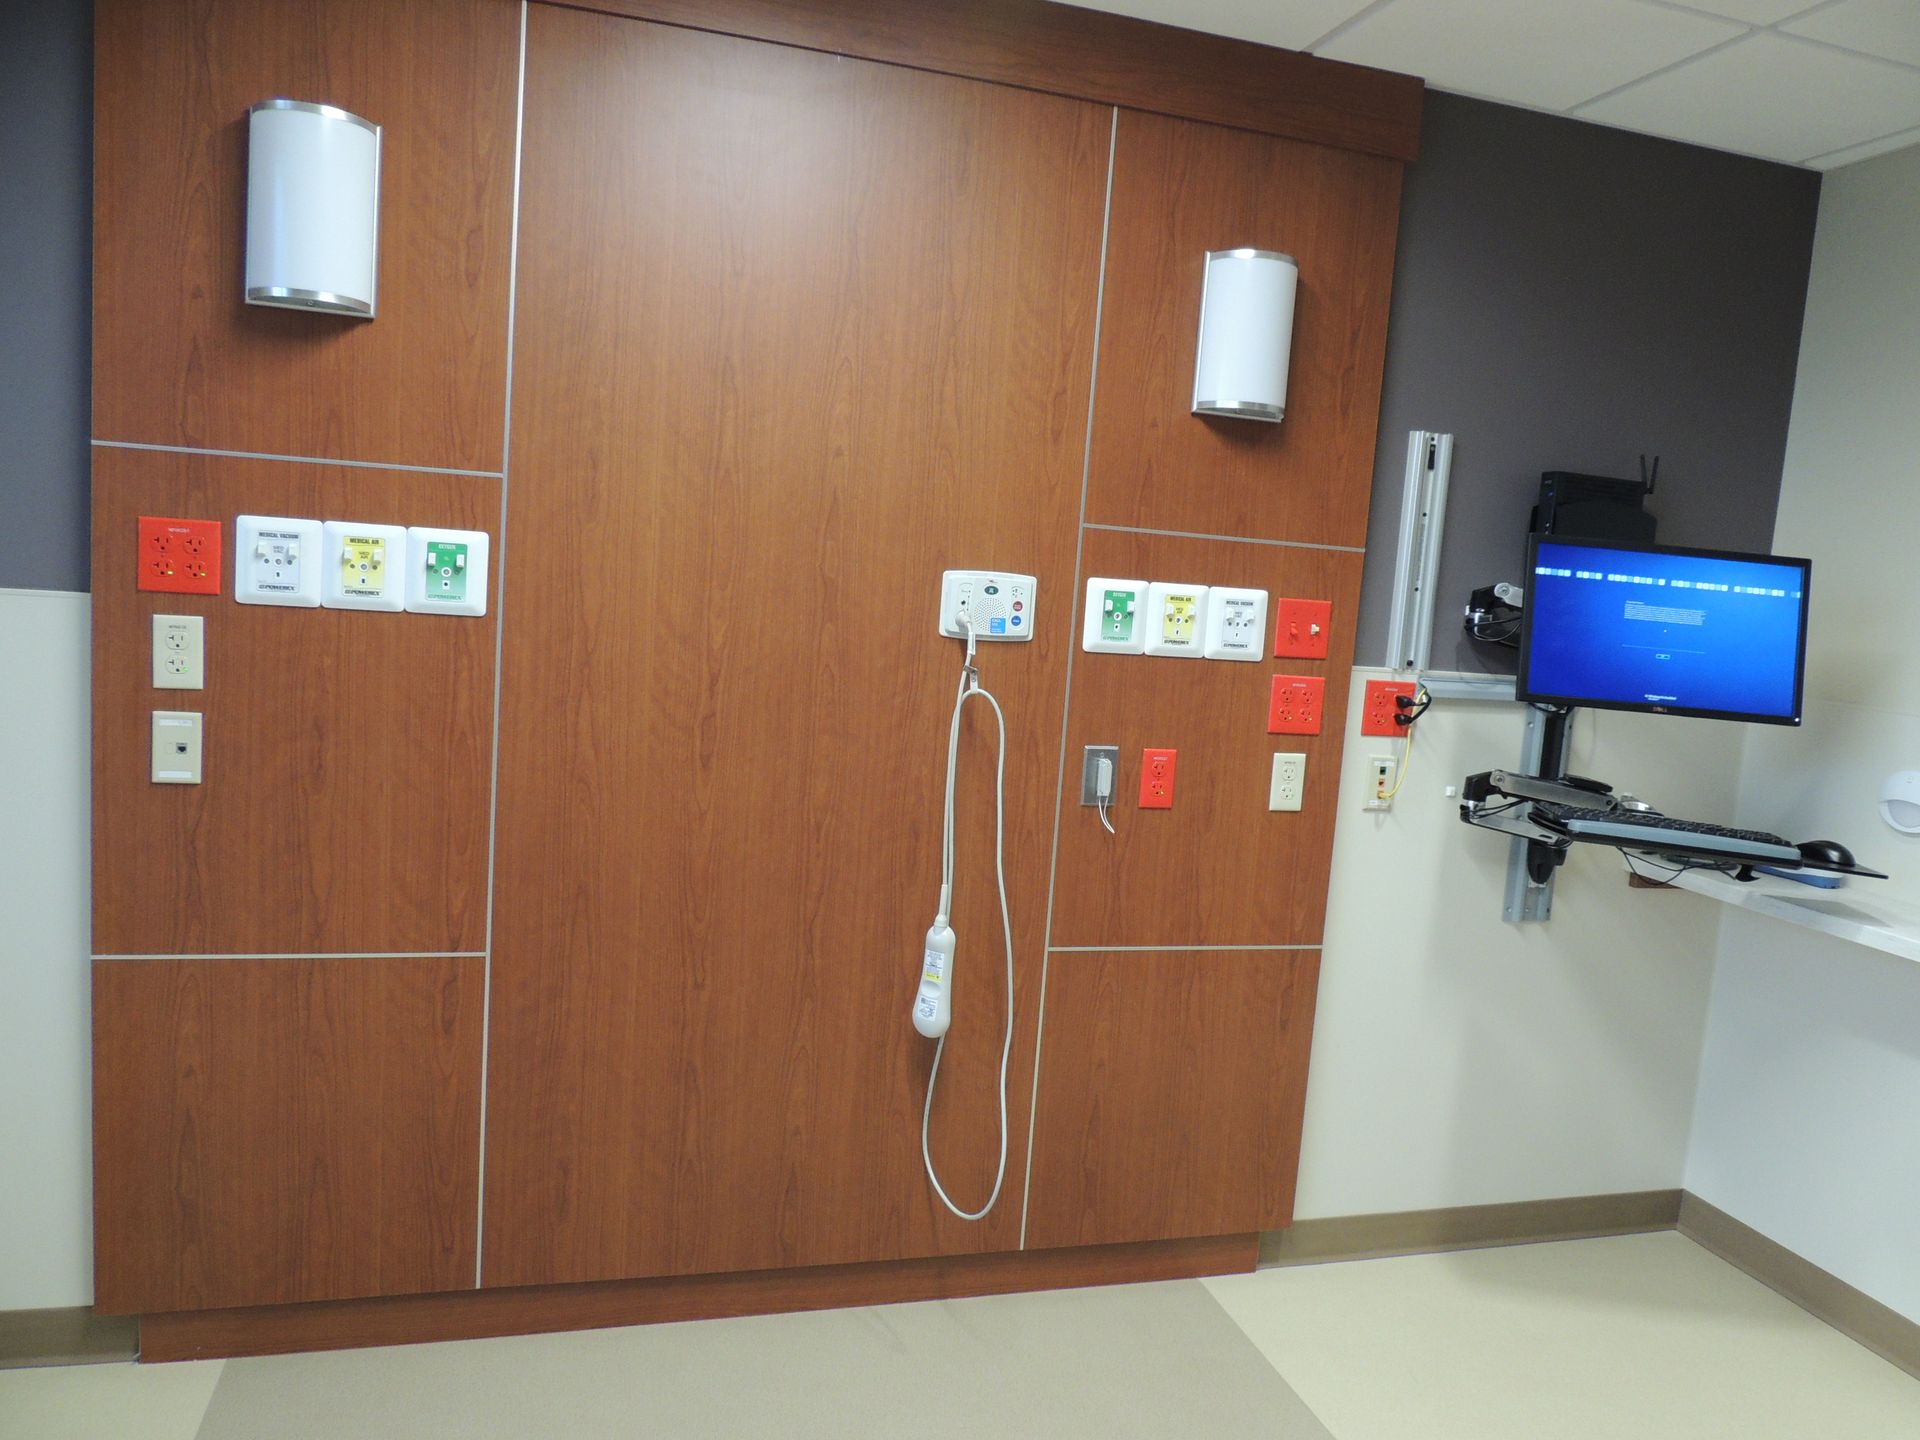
(1461, 1060)
(46, 1128)
(1807, 1124)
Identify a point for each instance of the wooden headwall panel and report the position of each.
(1063, 49)
(1180, 190)
(795, 334)
(1172, 1093)
(178, 357)
(344, 807)
(283, 1130)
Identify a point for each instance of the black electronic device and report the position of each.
(1827, 852)
(1665, 630)
(1649, 830)
(1595, 507)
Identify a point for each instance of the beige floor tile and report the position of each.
(1646, 1336)
(107, 1402)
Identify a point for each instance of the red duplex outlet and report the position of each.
(1380, 705)
(1156, 779)
(1297, 703)
(181, 557)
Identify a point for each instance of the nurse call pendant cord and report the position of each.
(933, 1004)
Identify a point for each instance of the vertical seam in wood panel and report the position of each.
(1066, 693)
(499, 638)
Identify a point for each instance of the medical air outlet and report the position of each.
(975, 605)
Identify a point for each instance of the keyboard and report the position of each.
(1648, 830)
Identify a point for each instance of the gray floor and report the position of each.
(1133, 1360)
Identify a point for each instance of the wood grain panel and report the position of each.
(795, 334)
(410, 1320)
(347, 752)
(1180, 190)
(1085, 55)
(270, 1131)
(1219, 868)
(178, 357)
(1172, 1087)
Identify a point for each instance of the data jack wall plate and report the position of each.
(446, 571)
(1236, 624)
(276, 561)
(999, 602)
(1176, 620)
(1116, 617)
(364, 567)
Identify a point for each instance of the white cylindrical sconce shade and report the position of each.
(1246, 332)
(313, 208)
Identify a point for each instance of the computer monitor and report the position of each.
(1664, 629)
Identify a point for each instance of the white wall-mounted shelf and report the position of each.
(1854, 912)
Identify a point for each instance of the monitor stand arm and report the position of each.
(1543, 859)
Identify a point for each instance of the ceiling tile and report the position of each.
(1547, 53)
(1754, 12)
(1853, 154)
(1889, 28)
(1769, 96)
(1290, 24)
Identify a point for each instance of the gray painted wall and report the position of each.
(1567, 296)
(46, 242)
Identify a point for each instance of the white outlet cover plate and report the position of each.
(1176, 619)
(1000, 602)
(1103, 596)
(1236, 624)
(276, 561)
(1289, 784)
(370, 587)
(424, 590)
(179, 652)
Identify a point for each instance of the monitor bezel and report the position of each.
(1523, 690)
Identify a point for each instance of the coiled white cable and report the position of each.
(969, 687)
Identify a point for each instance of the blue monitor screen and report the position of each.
(1682, 632)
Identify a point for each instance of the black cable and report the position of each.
(1675, 869)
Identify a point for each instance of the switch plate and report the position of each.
(1300, 628)
(1289, 785)
(179, 557)
(1116, 617)
(446, 571)
(276, 561)
(176, 747)
(1176, 620)
(1156, 779)
(179, 652)
(1236, 623)
(1296, 705)
(1090, 760)
(1378, 707)
(364, 566)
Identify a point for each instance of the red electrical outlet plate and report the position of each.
(1297, 704)
(1300, 631)
(1378, 708)
(1156, 779)
(179, 556)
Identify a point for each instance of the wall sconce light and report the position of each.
(313, 207)
(1246, 331)
(1900, 802)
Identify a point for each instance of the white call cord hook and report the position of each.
(933, 1003)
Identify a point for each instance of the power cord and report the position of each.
(969, 688)
(1411, 708)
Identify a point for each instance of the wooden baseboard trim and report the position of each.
(1852, 1312)
(74, 1336)
(1470, 1227)
(467, 1315)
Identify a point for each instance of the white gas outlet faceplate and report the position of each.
(276, 561)
(1236, 624)
(999, 603)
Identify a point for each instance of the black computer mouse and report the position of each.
(1827, 852)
